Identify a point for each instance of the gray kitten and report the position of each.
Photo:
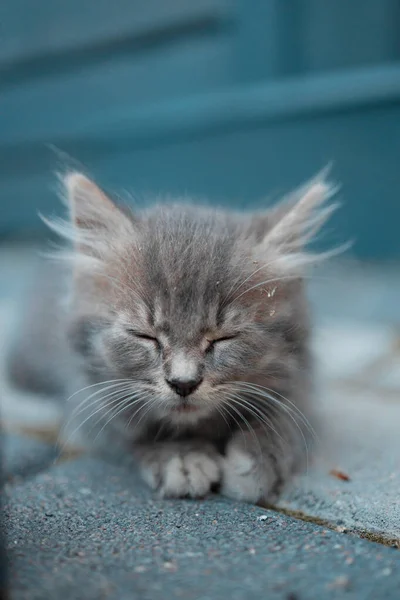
(187, 329)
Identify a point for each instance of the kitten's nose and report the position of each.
(184, 387)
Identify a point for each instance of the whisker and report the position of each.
(221, 412)
(128, 424)
(151, 403)
(260, 418)
(266, 392)
(295, 417)
(160, 430)
(292, 415)
(103, 400)
(93, 385)
(257, 413)
(226, 405)
(278, 404)
(114, 405)
(85, 404)
(125, 404)
(114, 401)
(259, 388)
(303, 438)
(289, 414)
(248, 425)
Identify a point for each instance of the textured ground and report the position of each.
(86, 530)
(82, 528)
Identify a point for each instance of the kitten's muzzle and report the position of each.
(184, 387)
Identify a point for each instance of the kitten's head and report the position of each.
(187, 305)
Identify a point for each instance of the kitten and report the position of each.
(189, 328)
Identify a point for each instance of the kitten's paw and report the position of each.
(241, 477)
(191, 474)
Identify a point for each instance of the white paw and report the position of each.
(190, 475)
(241, 478)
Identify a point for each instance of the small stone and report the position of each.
(387, 571)
(342, 582)
(262, 518)
(341, 529)
(252, 551)
(170, 566)
(140, 569)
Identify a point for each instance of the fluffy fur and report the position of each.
(187, 330)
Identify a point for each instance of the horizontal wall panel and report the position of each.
(200, 113)
(226, 99)
(48, 109)
(327, 35)
(241, 166)
(35, 31)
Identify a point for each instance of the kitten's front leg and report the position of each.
(180, 469)
(255, 467)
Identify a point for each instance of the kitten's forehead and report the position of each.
(180, 322)
(189, 261)
(189, 268)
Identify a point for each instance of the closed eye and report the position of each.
(214, 342)
(143, 336)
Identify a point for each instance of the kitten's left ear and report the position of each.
(294, 223)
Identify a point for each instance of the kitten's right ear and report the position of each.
(96, 225)
(90, 209)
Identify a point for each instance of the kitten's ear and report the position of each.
(96, 226)
(90, 208)
(294, 223)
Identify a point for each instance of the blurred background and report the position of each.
(231, 100)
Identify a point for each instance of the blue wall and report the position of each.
(231, 100)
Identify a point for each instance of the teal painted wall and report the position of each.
(228, 100)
